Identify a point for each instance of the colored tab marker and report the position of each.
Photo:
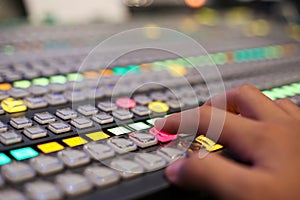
(97, 136)
(208, 143)
(12, 105)
(125, 103)
(162, 136)
(4, 159)
(74, 141)
(50, 147)
(24, 153)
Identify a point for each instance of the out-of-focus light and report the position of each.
(260, 27)
(207, 16)
(152, 31)
(238, 16)
(293, 31)
(138, 3)
(188, 25)
(176, 70)
(195, 3)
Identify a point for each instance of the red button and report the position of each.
(125, 102)
(162, 136)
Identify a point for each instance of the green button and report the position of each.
(151, 121)
(75, 77)
(24, 153)
(219, 58)
(22, 84)
(158, 66)
(269, 94)
(4, 159)
(58, 79)
(9, 49)
(40, 81)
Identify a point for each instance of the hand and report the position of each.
(259, 131)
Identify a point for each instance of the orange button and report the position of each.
(106, 72)
(74, 141)
(5, 86)
(91, 74)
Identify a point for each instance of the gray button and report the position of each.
(98, 151)
(35, 102)
(101, 176)
(73, 184)
(59, 127)
(103, 118)
(170, 154)
(87, 110)
(127, 168)
(57, 87)
(94, 93)
(75, 85)
(38, 89)
(11, 194)
(143, 138)
(150, 161)
(10, 137)
(107, 106)
(43, 190)
(3, 127)
(122, 114)
(17, 172)
(66, 113)
(190, 101)
(175, 104)
(158, 96)
(3, 95)
(1, 180)
(73, 158)
(74, 95)
(121, 145)
(141, 110)
(35, 132)
(18, 92)
(56, 99)
(20, 122)
(46, 164)
(142, 99)
(1, 110)
(81, 122)
(44, 118)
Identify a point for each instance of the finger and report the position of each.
(289, 107)
(215, 174)
(249, 102)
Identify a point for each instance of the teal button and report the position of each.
(24, 153)
(133, 69)
(4, 159)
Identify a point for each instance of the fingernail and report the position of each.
(173, 171)
(159, 123)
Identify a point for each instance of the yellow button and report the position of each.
(50, 147)
(97, 135)
(74, 141)
(177, 70)
(158, 107)
(208, 143)
(12, 105)
(5, 86)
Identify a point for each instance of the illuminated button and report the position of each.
(11, 105)
(142, 99)
(59, 127)
(74, 141)
(73, 158)
(121, 145)
(10, 137)
(106, 72)
(97, 135)
(38, 89)
(208, 143)
(125, 103)
(20, 122)
(82, 122)
(170, 154)
(3, 127)
(17, 172)
(4, 159)
(87, 110)
(143, 138)
(158, 107)
(141, 110)
(107, 106)
(127, 168)
(46, 164)
(75, 77)
(163, 136)
(151, 121)
(35, 102)
(150, 162)
(119, 130)
(56, 99)
(44, 118)
(50, 147)
(40, 81)
(91, 74)
(139, 126)
(5, 86)
(101, 176)
(22, 84)
(43, 190)
(120, 70)
(99, 151)
(122, 114)
(103, 118)
(58, 79)
(35, 132)
(24, 153)
(66, 113)
(12, 194)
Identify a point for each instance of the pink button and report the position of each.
(125, 102)
(162, 136)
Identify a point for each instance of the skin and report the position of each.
(258, 131)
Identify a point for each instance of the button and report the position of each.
(1, 181)
(42, 190)
(101, 176)
(150, 162)
(175, 104)
(94, 93)
(103, 118)
(11, 105)
(17, 172)
(22, 84)
(143, 138)
(24, 153)
(1, 111)
(59, 127)
(74, 141)
(35, 132)
(170, 154)
(99, 151)
(10, 137)
(35, 102)
(139, 126)
(20, 122)
(158, 107)
(46, 164)
(127, 168)
(75, 77)
(57, 87)
(208, 143)
(122, 114)
(4, 159)
(151, 121)
(38, 89)
(97, 136)
(56, 99)
(73, 184)
(125, 103)
(58, 79)
(66, 113)
(74, 95)
(190, 101)
(5, 86)
(3, 95)
(141, 110)
(107, 106)
(11, 194)
(44, 117)
(81, 122)
(87, 110)
(40, 81)
(163, 136)
(121, 145)
(142, 99)
(158, 96)
(3, 127)
(50, 147)
(73, 158)
(119, 130)
(18, 92)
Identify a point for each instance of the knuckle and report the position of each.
(246, 89)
